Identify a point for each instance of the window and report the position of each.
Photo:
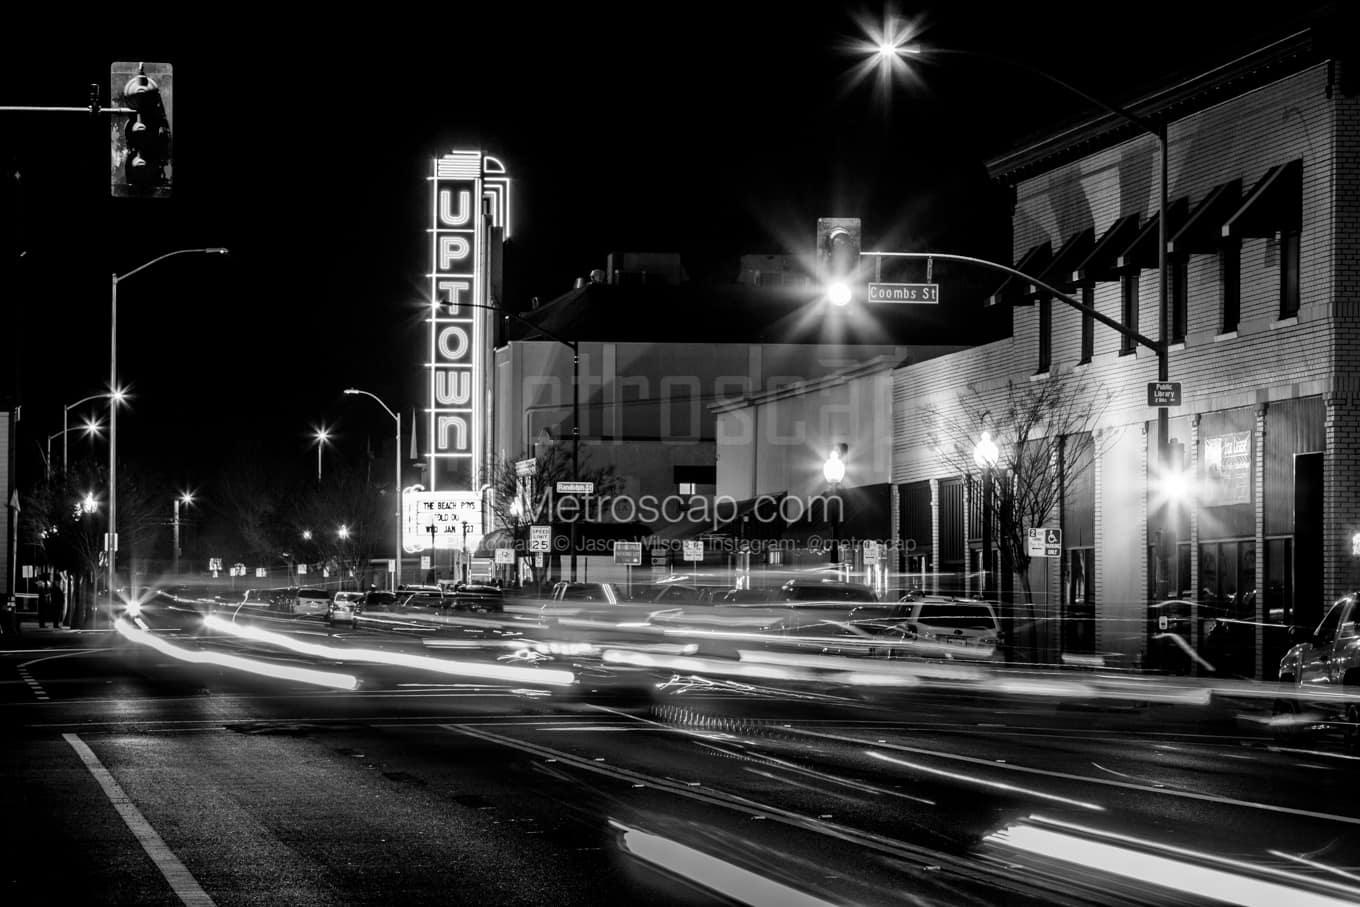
(1045, 333)
(1128, 310)
(1180, 298)
(1088, 324)
(1289, 273)
(687, 488)
(1326, 631)
(1230, 274)
(1079, 604)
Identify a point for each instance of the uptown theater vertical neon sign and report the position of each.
(470, 196)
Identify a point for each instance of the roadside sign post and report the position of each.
(1164, 393)
(629, 554)
(1043, 542)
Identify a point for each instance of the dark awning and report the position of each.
(1012, 290)
(1275, 204)
(1141, 253)
(1203, 230)
(1101, 262)
(1058, 274)
(864, 514)
(752, 518)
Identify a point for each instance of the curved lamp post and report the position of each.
(396, 486)
(91, 427)
(65, 419)
(115, 397)
(894, 44)
(985, 454)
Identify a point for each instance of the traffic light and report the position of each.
(838, 243)
(140, 140)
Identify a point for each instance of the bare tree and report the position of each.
(66, 516)
(1044, 433)
(522, 501)
(348, 519)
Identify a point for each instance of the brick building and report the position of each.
(1264, 325)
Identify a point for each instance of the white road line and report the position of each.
(1087, 779)
(183, 883)
(33, 685)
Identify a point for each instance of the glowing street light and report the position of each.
(323, 437)
(65, 417)
(91, 427)
(185, 498)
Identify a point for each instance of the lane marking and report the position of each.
(965, 867)
(1087, 779)
(33, 685)
(182, 882)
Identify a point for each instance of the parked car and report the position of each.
(929, 626)
(376, 600)
(746, 596)
(344, 608)
(670, 593)
(809, 590)
(586, 592)
(477, 598)
(1325, 659)
(311, 602)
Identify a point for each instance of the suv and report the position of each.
(344, 608)
(803, 590)
(1323, 659)
(477, 598)
(940, 625)
(311, 602)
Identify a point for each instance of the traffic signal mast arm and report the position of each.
(1055, 292)
(93, 108)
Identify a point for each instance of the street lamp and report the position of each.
(891, 46)
(985, 455)
(91, 427)
(186, 499)
(322, 436)
(115, 397)
(833, 470)
(396, 486)
(65, 417)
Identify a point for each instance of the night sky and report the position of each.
(302, 145)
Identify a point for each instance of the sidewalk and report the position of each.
(31, 636)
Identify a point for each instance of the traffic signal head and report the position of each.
(140, 139)
(838, 244)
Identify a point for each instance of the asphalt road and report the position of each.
(132, 777)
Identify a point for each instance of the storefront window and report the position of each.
(1079, 619)
(1227, 575)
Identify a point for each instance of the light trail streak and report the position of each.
(236, 662)
(507, 673)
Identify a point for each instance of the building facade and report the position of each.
(1254, 523)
